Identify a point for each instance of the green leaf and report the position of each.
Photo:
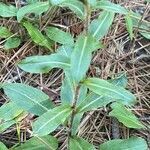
(92, 102)
(120, 80)
(133, 143)
(37, 36)
(31, 1)
(108, 6)
(39, 143)
(99, 27)
(104, 88)
(36, 8)
(4, 32)
(68, 95)
(67, 90)
(65, 50)
(59, 36)
(76, 123)
(50, 120)
(9, 111)
(92, 2)
(81, 56)
(144, 26)
(77, 143)
(7, 10)
(5, 125)
(76, 6)
(125, 116)
(12, 42)
(56, 2)
(27, 97)
(145, 34)
(129, 25)
(3, 147)
(82, 94)
(43, 64)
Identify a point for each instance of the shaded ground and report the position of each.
(117, 57)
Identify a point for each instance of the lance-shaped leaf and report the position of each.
(144, 26)
(99, 27)
(9, 111)
(77, 143)
(43, 64)
(59, 36)
(36, 8)
(3, 147)
(4, 32)
(108, 6)
(76, 123)
(67, 90)
(129, 25)
(49, 121)
(120, 80)
(92, 102)
(7, 10)
(125, 116)
(37, 36)
(82, 94)
(27, 97)
(38, 143)
(133, 143)
(76, 6)
(104, 88)
(5, 125)
(81, 56)
(12, 42)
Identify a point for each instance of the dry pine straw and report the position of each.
(96, 126)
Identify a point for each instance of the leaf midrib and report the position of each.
(129, 119)
(82, 108)
(95, 33)
(48, 62)
(33, 100)
(51, 120)
(81, 56)
(102, 87)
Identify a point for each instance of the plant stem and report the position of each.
(73, 113)
(87, 22)
(88, 16)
